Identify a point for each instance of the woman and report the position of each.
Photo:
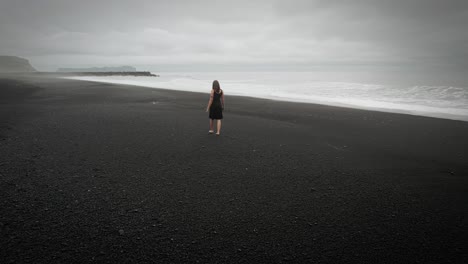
(216, 107)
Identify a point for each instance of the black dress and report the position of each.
(216, 108)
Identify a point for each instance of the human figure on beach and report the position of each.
(215, 107)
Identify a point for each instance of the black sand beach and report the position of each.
(93, 172)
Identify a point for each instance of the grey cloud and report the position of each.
(56, 32)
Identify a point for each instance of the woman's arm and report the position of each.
(222, 100)
(210, 101)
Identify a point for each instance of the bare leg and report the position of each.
(211, 126)
(218, 127)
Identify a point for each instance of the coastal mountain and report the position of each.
(99, 69)
(11, 64)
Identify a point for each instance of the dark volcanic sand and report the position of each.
(93, 172)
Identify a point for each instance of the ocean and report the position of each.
(443, 101)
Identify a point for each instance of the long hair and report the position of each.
(216, 86)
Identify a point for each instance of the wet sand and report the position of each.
(93, 172)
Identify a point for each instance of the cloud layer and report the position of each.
(54, 33)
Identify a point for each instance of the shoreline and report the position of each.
(328, 102)
(96, 172)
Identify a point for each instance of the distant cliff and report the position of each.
(9, 64)
(99, 69)
(133, 73)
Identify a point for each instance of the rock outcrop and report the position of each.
(99, 69)
(13, 64)
(133, 73)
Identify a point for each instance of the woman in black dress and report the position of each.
(216, 107)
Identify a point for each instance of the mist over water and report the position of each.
(399, 95)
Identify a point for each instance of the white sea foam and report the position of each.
(435, 101)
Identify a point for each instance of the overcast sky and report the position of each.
(401, 33)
